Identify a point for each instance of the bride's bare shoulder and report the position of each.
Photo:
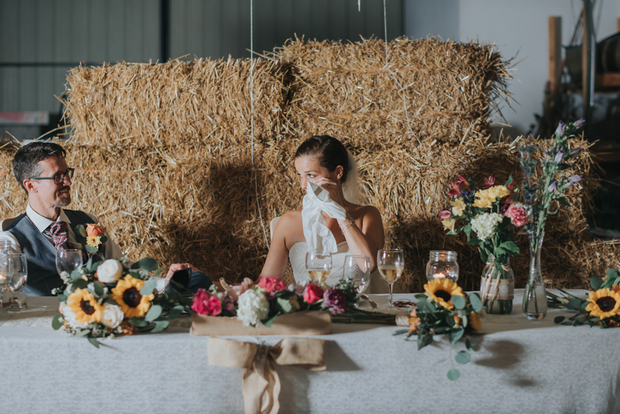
(366, 211)
(291, 217)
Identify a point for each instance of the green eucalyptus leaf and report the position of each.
(456, 335)
(285, 305)
(558, 319)
(153, 313)
(582, 308)
(138, 322)
(94, 341)
(458, 302)
(420, 296)
(90, 249)
(453, 374)
(79, 284)
(159, 326)
(474, 299)
(574, 303)
(58, 321)
(81, 230)
(62, 297)
(98, 289)
(468, 344)
(148, 287)
(400, 332)
(596, 282)
(76, 275)
(82, 333)
(463, 357)
(148, 264)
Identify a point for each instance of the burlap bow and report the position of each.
(261, 383)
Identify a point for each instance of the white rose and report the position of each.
(484, 225)
(112, 316)
(109, 271)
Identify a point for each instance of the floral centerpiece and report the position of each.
(261, 303)
(543, 189)
(490, 219)
(445, 309)
(602, 306)
(105, 299)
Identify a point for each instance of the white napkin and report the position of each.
(318, 236)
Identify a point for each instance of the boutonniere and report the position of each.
(93, 236)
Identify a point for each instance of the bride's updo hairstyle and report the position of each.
(329, 151)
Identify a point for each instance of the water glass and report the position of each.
(358, 269)
(68, 260)
(18, 271)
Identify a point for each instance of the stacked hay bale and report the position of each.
(164, 156)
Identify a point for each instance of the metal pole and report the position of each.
(164, 30)
(589, 73)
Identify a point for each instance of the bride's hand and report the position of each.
(334, 189)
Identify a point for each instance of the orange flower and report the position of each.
(457, 320)
(95, 230)
(415, 322)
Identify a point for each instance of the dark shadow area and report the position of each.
(506, 355)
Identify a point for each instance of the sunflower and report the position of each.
(441, 290)
(85, 306)
(604, 303)
(132, 302)
(474, 321)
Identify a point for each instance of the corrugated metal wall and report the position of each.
(41, 39)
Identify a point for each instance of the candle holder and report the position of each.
(442, 265)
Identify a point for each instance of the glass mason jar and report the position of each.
(441, 265)
(497, 286)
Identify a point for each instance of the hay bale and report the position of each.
(450, 90)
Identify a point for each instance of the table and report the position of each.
(522, 366)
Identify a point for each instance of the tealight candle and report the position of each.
(442, 265)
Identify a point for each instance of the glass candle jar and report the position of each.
(442, 265)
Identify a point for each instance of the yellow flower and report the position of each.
(474, 321)
(85, 306)
(458, 206)
(448, 224)
(441, 290)
(93, 241)
(127, 295)
(486, 198)
(604, 303)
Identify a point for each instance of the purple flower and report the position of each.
(575, 152)
(553, 186)
(560, 129)
(559, 156)
(572, 180)
(335, 301)
(579, 123)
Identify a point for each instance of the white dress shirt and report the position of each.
(42, 224)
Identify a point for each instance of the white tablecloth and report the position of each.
(522, 366)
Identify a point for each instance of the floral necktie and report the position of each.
(58, 231)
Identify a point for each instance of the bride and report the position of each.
(323, 160)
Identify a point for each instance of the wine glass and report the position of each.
(358, 269)
(390, 264)
(318, 266)
(5, 279)
(18, 265)
(68, 260)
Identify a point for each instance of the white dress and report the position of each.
(297, 256)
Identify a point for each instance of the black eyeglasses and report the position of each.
(58, 178)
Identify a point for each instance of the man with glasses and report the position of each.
(42, 171)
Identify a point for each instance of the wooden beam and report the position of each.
(555, 52)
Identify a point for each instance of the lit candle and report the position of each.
(439, 275)
(2, 278)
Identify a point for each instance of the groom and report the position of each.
(42, 171)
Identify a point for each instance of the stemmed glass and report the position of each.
(68, 260)
(5, 279)
(390, 264)
(17, 275)
(318, 266)
(357, 268)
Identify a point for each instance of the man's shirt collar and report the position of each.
(42, 223)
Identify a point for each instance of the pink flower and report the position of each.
(205, 304)
(229, 304)
(335, 301)
(271, 284)
(444, 214)
(517, 215)
(313, 293)
(489, 182)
